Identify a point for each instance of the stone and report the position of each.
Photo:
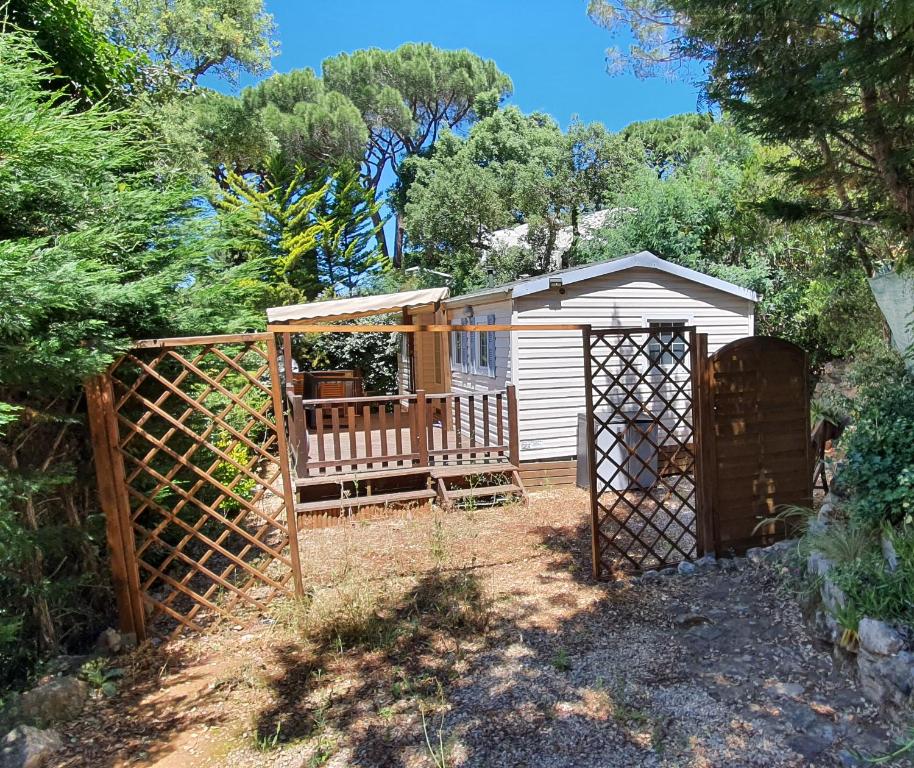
(833, 596)
(650, 576)
(755, 555)
(688, 619)
(728, 565)
(817, 564)
(879, 637)
(28, 747)
(790, 690)
(706, 562)
(826, 513)
(740, 562)
(889, 553)
(59, 700)
(667, 572)
(887, 681)
(685, 568)
(110, 642)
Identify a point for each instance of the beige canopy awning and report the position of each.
(358, 306)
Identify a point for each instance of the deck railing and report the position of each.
(337, 435)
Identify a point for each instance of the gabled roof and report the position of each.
(357, 306)
(643, 260)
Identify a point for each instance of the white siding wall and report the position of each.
(462, 382)
(550, 365)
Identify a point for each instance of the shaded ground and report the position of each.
(476, 638)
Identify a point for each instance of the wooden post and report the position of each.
(513, 430)
(703, 437)
(596, 565)
(112, 494)
(419, 424)
(279, 416)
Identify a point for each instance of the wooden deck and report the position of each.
(351, 452)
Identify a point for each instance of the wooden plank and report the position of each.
(485, 420)
(420, 422)
(328, 328)
(513, 429)
(382, 499)
(288, 490)
(596, 558)
(350, 430)
(382, 428)
(398, 428)
(471, 418)
(119, 535)
(189, 341)
(366, 430)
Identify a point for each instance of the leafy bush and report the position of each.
(879, 449)
(875, 591)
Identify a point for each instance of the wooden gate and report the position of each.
(193, 477)
(758, 438)
(645, 469)
(689, 453)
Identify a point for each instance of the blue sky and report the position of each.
(551, 50)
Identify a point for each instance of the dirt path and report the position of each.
(486, 625)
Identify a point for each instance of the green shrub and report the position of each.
(875, 591)
(879, 449)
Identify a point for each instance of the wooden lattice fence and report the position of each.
(193, 476)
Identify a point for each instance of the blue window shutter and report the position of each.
(490, 347)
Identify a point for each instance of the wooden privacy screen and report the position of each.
(758, 391)
(194, 481)
(644, 468)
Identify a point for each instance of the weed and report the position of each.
(265, 743)
(440, 753)
(561, 661)
(101, 676)
(438, 542)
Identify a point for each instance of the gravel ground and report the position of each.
(488, 627)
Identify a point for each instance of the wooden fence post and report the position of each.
(279, 417)
(703, 437)
(513, 429)
(421, 426)
(112, 495)
(596, 565)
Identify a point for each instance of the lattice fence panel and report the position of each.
(643, 456)
(204, 472)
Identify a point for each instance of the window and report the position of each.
(461, 352)
(486, 346)
(667, 346)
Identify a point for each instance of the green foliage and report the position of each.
(99, 243)
(182, 40)
(374, 353)
(833, 81)
(66, 33)
(511, 169)
(879, 466)
(875, 591)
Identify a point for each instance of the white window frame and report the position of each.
(653, 352)
(486, 341)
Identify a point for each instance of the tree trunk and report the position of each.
(379, 234)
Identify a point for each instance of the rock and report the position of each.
(650, 576)
(740, 562)
(28, 747)
(685, 568)
(755, 555)
(790, 690)
(879, 637)
(688, 619)
(667, 572)
(707, 562)
(826, 513)
(889, 553)
(110, 642)
(887, 681)
(728, 565)
(817, 564)
(832, 596)
(59, 700)
(63, 665)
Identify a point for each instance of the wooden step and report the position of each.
(350, 477)
(470, 470)
(487, 490)
(376, 500)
